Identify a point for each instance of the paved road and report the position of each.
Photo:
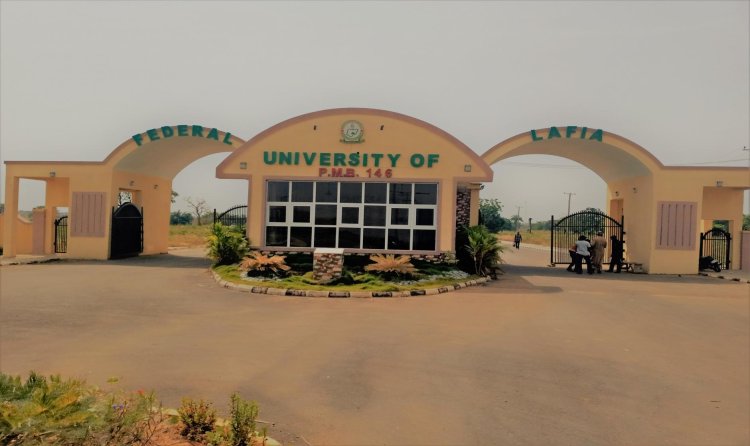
(539, 357)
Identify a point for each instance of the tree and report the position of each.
(745, 222)
(180, 218)
(124, 197)
(174, 195)
(516, 220)
(484, 249)
(200, 207)
(2, 208)
(489, 212)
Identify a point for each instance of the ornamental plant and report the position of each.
(243, 415)
(390, 266)
(483, 248)
(226, 244)
(257, 263)
(198, 419)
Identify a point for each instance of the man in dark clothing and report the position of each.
(617, 251)
(517, 240)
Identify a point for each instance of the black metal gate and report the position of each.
(61, 235)
(235, 216)
(566, 232)
(126, 239)
(717, 243)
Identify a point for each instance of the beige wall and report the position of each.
(321, 133)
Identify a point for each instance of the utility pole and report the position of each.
(569, 194)
(518, 214)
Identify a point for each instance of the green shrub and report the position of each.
(53, 411)
(243, 414)
(198, 419)
(483, 248)
(226, 245)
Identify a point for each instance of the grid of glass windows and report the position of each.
(355, 215)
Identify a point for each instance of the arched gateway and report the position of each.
(366, 180)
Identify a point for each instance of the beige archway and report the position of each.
(665, 207)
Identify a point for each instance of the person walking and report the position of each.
(599, 246)
(517, 240)
(617, 251)
(583, 253)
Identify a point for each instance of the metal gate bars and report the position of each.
(716, 243)
(235, 216)
(566, 232)
(127, 231)
(61, 235)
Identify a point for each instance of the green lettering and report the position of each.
(269, 158)
(597, 135)
(213, 134)
(309, 158)
(432, 158)
(535, 137)
(364, 160)
(285, 158)
(354, 159)
(553, 133)
(182, 130)
(138, 139)
(167, 131)
(569, 130)
(376, 159)
(198, 130)
(325, 159)
(339, 159)
(417, 160)
(227, 139)
(152, 135)
(583, 132)
(296, 158)
(394, 158)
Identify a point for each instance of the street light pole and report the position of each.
(569, 194)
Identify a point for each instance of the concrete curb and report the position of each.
(344, 294)
(721, 276)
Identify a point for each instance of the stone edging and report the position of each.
(721, 276)
(343, 294)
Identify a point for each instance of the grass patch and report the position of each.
(188, 236)
(361, 282)
(538, 237)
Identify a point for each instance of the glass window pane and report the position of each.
(374, 215)
(398, 239)
(399, 216)
(350, 215)
(278, 191)
(277, 214)
(424, 240)
(325, 191)
(349, 237)
(302, 191)
(325, 214)
(375, 192)
(400, 193)
(276, 235)
(351, 192)
(425, 194)
(300, 236)
(325, 237)
(373, 238)
(425, 217)
(301, 214)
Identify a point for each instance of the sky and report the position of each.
(79, 78)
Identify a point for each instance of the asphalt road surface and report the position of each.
(538, 357)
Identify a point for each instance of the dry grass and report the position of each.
(538, 237)
(188, 236)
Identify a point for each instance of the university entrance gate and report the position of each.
(716, 243)
(127, 231)
(565, 233)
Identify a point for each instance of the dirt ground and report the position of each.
(540, 356)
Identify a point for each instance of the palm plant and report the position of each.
(257, 262)
(389, 265)
(226, 245)
(483, 248)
